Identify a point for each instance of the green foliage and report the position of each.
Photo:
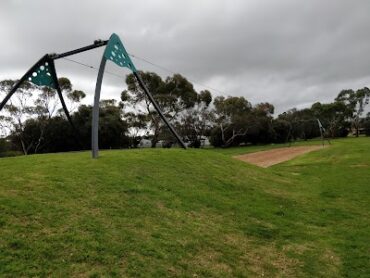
(205, 97)
(354, 103)
(231, 107)
(4, 145)
(238, 122)
(301, 124)
(334, 116)
(175, 95)
(195, 213)
(281, 128)
(112, 127)
(56, 134)
(367, 125)
(30, 112)
(228, 121)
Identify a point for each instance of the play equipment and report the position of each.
(43, 73)
(322, 132)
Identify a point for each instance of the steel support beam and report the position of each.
(97, 43)
(61, 98)
(95, 112)
(158, 109)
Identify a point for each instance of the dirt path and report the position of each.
(271, 157)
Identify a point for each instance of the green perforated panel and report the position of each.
(116, 52)
(41, 76)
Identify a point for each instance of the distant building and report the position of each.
(361, 131)
(159, 144)
(204, 142)
(145, 143)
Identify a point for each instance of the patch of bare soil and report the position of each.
(271, 157)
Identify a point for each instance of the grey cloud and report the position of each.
(288, 52)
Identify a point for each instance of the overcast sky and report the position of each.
(288, 52)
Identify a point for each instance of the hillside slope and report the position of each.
(191, 213)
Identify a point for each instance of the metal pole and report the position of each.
(95, 112)
(97, 43)
(156, 106)
(321, 132)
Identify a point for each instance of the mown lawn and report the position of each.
(194, 213)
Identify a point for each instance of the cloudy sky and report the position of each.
(288, 52)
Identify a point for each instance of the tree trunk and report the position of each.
(24, 149)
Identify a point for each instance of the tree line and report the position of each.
(32, 122)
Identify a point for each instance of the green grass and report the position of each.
(195, 213)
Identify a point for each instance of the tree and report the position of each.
(136, 97)
(196, 121)
(334, 116)
(362, 98)
(260, 124)
(112, 127)
(281, 130)
(355, 103)
(58, 134)
(173, 95)
(31, 102)
(367, 124)
(4, 145)
(73, 96)
(231, 118)
(302, 123)
(136, 123)
(19, 108)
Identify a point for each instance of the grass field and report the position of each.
(195, 213)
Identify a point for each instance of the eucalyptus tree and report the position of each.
(334, 116)
(18, 110)
(174, 95)
(197, 121)
(355, 102)
(33, 106)
(232, 118)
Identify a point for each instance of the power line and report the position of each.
(173, 72)
(150, 63)
(91, 67)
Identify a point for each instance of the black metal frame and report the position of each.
(158, 109)
(95, 112)
(50, 58)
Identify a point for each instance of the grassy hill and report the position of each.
(192, 213)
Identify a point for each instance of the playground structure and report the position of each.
(43, 73)
(322, 132)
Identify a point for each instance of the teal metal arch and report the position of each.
(116, 52)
